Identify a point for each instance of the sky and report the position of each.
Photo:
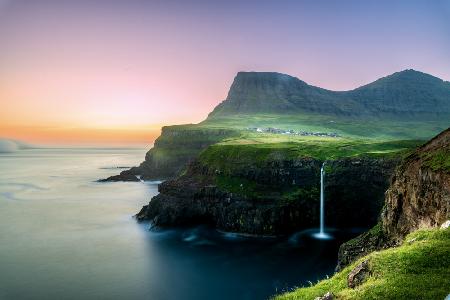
(113, 72)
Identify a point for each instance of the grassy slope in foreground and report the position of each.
(418, 269)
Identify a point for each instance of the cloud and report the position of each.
(9, 146)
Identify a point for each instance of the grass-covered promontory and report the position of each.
(418, 269)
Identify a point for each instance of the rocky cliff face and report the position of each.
(286, 197)
(176, 147)
(418, 197)
(355, 190)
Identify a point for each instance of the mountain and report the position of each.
(408, 94)
(411, 105)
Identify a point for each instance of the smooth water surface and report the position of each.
(65, 236)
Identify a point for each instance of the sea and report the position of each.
(63, 235)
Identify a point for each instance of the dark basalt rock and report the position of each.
(358, 275)
(195, 198)
(354, 190)
(123, 176)
(326, 296)
(188, 204)
(372, 240)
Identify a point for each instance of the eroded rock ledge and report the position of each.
(126, 175)
(286, 197)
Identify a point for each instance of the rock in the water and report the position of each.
(358, 275)
(445, 225)
(327, 296)
(123, 176)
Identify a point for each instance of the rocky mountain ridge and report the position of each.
(402, 95)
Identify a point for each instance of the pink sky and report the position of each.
(113, 72)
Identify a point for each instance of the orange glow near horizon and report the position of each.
(142, 136)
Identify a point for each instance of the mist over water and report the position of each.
(65, 236)
(9, 146)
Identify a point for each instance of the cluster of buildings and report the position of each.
(293, 132)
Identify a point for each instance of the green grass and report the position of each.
(232, 142)
(257, 191)
(371, 128)
(418, 269)
(232, 158)
(376, 232)
(256, 152)
(438, 160)
(359, 138)
(240, 186)
(227, 145)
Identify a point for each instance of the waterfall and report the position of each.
(322, 200)
(322, 234)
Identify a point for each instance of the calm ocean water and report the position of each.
(65, 236)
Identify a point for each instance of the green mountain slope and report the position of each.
(407, 105)
(403, 95)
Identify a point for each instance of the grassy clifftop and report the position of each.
(286, 168)
(180, 144)
(254, 150)
(351, 127)
(418, 269)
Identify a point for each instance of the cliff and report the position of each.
(418, 197)
(270, 192)
(176, 146)
(173, 150)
